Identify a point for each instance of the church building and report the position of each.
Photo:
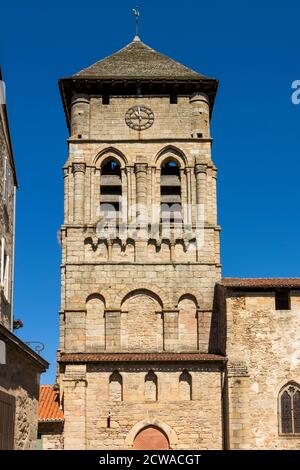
(157, 350)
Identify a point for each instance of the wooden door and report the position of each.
(151, 438)
(7, 421)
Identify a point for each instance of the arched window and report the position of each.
(185, 386)
(151, 386)
(110, 189)
(289, 407)
(115, 387)
(170, 192)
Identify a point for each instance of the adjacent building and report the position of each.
(157, 350)
(20, 366)
(51, 419)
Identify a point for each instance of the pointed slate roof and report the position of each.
(138, 61)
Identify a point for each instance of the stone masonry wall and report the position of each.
(139, 292)
(51, 435)
(20, 379)
(93, 120)
(166, 283)
(263, 354)
(196, 423)
(6, 221)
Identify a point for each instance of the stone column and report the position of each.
(200, 171)
(130, 199)
(95, 194)
(80, 116)
(141, 191)
(79, 172)
(239, 406)
(74, 389)
(66, 194)
(188, 217)
(214, 195)
(141, 211)
(184, 195)
(170, 330)
(124, 199)
(199, 115)
(87, 195)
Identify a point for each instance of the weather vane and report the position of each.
(136, 12)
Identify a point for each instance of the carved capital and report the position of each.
(141, 167)
(78, 167)
(200, 168)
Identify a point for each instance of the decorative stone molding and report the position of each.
(200, 168)
(153, 289)
(140, 167)
(80, 98)
(78, 167)
(237, 369)
(173, 152)
(199, 97)
(151, 422)
(110, 152)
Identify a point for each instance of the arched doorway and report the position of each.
(151, 438)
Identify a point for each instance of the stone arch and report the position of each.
(170, 433)
(95, 295)
(286, 383)
(142, 323)
(170, 151)
(158, 293)
(112, 152)
(142, 291)
(192, 294)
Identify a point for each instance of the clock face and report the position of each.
(139, 118)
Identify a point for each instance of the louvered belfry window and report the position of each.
(290, 409)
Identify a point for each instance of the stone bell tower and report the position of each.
(139, 359)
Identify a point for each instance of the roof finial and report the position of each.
(136, 12)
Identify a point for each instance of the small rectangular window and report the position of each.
(282, 300)
(105, 99)
(173, 98)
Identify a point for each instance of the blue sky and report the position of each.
(252, 47)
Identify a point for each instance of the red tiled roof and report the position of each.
(139, 357)
(49, 404)
(288, 282)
